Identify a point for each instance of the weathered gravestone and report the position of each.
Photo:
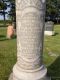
(30, 28)
(49, 28)
(10, 31)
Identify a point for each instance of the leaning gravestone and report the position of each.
(49, 28)
(30, 16)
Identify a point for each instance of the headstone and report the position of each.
(10, 31)
(30, 16)
(49, 28)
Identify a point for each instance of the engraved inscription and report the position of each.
(30, 23)
(29, 41)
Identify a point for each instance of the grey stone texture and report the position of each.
(30, 16)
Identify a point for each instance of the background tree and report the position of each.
(3, 7)
(51, 6)
(53, 9)
(12, 13)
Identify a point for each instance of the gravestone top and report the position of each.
(49, 26)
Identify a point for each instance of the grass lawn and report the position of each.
(51, 55)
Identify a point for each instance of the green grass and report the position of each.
(4, 23)
(8, 54)
(52, 45)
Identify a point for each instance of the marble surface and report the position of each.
(30, 16)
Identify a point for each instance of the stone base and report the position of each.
(49, 33)
(11, 77)
(46, 78)
(21, 75)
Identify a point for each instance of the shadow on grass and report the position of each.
(14, 37)
(3, 38)
(54, 69)
(55, 34)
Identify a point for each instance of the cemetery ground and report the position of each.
(51, 54)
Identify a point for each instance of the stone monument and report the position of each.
(30, 16)
(10, 31)
(49, 28)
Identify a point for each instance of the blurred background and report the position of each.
(7, 11)
(8, 48)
